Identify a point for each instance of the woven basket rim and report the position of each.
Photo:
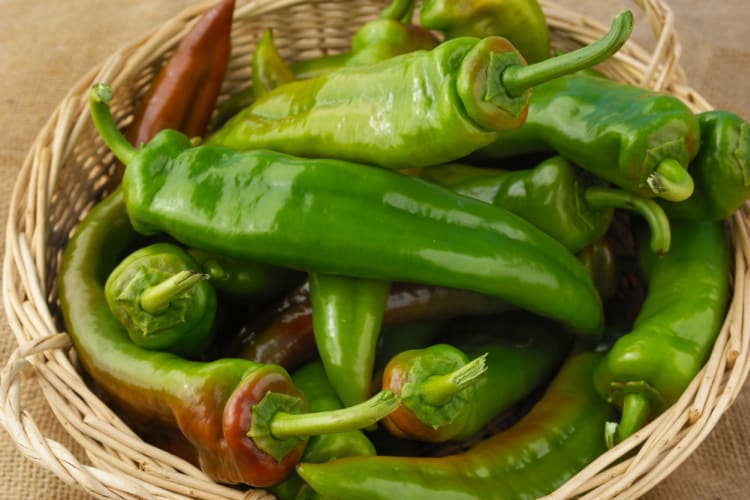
(124, 466)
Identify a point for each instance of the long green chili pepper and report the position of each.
(649, 368)
(457, 98)
(347, 315)
(341, 218)
(375, 41)
(638, 139)
(556, 439)
(269, 68)
(554, 197)
(283, 333)
(246, 279)
(243, 418)
(439, 399)
(163, 301)
(721, 170)
(520, 21)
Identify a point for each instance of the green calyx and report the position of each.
(277, 425)
(671, 181)
(637, 400)
(439, 388)
(99, 97)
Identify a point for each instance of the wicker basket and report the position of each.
(68, 170)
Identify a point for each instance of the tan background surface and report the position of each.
(45, 46)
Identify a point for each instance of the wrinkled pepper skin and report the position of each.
(520, 21)
(457, 97)
(208, 402)
(618, 132)
(649, 368)
(522, 353)
(557, 438)
(184, 93)
(181, 318)
(283, 333)
(269, 207)
(721, 169)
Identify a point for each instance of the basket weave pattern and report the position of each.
(69, 169)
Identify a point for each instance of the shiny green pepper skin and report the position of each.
(721, 169)
(649, 368)
(184, 321)
(522, 352)
(556, 439)
(550, 196)
(343, 218)
(618, 132)
(457, 97)
(520, 21)
(206, 402)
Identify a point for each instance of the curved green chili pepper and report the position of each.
(337, 217)
(162, 300)
(520, 21)
(554, 197)
(457, 98)
(347, 315)
(649, 368)
(440, 400)
(638, 139)
(246, 279)
(721, 170)
(557, 438)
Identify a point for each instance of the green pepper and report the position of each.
(520, 21)
(246, 279)
(601, 261)
(457, 97)
(721, 170)
(375, 41)
(243, 418)
(338, 217)
(311, 379)
(442, 399)
(557, 438)
(638, 139)
(283, 333)
(162, 300)
(555, 197)
(649, 368)
(347, 315)
(269, 68)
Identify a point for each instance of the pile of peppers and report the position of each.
(403, 270)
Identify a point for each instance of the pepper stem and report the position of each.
(99, 97)
(671, 181)
(636, 409)
(286, 425)
(652, 212)
(400, 10)
(156, 299)
(517, 79)
(438, 389)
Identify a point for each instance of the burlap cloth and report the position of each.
(45, 46)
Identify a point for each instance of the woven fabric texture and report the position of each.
(46, 46)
